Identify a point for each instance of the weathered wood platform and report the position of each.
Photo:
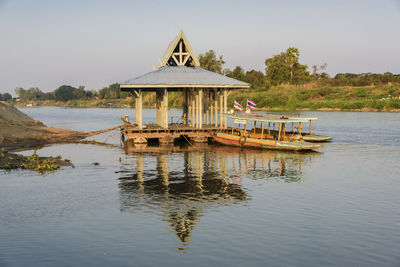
(167, 135)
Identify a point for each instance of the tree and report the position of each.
(256, 78)
(316, 68)
(5, 97)
(292, 57)
(276, 69)
(285, 67)
(237, 73)
(79, 93)
(210, 62)
(64, 93)
(33, 93)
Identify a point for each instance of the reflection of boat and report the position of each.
(183, 182)
(261, 137)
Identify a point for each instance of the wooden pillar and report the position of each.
(189, 101)
(162, 107)
(279, 134)
(269, 129)
(310, 127)
(201, 108)
(211, 113)
(197, 109)
(185, 106)
(226, 107)
(139, 108)
(262, 130)
(216, 107)
(221, 110)
(207, 106)
(190, 114)
(299, 128)
(193, 97)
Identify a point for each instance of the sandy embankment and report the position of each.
(17, 129)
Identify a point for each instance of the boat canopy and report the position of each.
(274, 118)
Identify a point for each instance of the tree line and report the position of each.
(66, 93)
(285, 68)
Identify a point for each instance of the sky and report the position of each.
(49, 43)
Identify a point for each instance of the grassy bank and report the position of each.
(369, 98)
(376, 98)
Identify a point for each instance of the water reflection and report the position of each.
(182, 182)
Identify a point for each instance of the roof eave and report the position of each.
(140, 86)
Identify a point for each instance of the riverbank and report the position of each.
(17, 130)
(369, 98)
(346, 98)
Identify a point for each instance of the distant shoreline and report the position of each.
(123, 104)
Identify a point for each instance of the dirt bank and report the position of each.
(17, 129)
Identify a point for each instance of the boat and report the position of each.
(265, 137)
(315, 138)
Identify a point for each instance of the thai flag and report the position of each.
(237, 106)
(251, 104)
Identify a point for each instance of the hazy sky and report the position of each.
(49, 43)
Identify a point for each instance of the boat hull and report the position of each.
(316, 138)
(234, 140)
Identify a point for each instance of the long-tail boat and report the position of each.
(266, 136)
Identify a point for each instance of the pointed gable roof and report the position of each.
(179, 53)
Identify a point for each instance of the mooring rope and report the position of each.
(187, 140)
(79, 122)
(87, 134)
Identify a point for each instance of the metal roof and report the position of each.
(182, 77)
(274, 118)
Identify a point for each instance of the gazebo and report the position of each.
(204, 92)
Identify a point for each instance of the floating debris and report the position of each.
(11, 161)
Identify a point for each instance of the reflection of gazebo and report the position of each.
(184, 182)
(204, 92)
(182, 192)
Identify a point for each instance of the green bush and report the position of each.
(359, 92)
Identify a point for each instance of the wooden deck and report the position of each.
(166, 135)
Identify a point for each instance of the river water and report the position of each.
(207, 205)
